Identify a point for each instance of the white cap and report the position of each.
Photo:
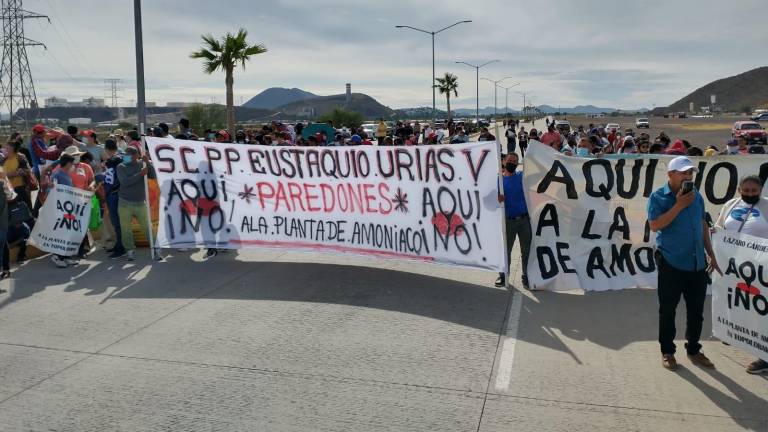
(681, 164)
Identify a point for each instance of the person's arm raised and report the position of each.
(681, 202)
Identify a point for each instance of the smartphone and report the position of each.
(687, 187)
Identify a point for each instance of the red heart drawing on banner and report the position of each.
(204, 204)
(440, 221)
(748, 289)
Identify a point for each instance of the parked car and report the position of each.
(642, 123)
(563, 126)
(612, 127)
(761, 117)
(370, 130)
(751, 130)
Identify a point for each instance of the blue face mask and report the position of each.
(582, 152)
(127, 159)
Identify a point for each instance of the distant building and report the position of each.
(349, 94)
(54, 102)
(80, 121)
(92, 102)
(150, 104)
(179, 104)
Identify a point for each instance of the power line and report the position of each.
(16, 84)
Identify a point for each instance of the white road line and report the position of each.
(507, 356)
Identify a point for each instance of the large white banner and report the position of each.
(427, 203)
(63, 221)
(589, 218)
(740, 295)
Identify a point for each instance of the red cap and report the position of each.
(677, 148)
(87, 132)
(38, 128)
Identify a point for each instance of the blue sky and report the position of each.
(607, 53)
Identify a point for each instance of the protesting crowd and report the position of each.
(115, 170)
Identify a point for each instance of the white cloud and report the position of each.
(617, 54)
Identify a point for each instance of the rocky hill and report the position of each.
(274, 97)
(315, 107)
(736, 93)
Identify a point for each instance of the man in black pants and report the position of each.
(683, 238)
(518, 224)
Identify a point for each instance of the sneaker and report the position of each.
(669, 362)
(72, 261)
(60, 263)
(700, 359)
(130, 255)
(210, 254)
(501, 280)
(757, 367)
(525, 282)
(158, 256)
(117, 254)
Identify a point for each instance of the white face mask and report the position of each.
(77, 159)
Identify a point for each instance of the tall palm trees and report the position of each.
(448, 84)
(225, 54)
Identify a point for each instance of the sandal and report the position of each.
(5, 275)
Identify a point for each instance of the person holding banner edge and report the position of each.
(676, 213)
(518, 223)
(747, 214)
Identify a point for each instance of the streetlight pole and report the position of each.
(141, 110)
(433, 33)
(477, 86)
(495, 98)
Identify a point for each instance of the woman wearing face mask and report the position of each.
(584, 148)
(747, 214)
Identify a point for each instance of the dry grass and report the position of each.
(704, 126)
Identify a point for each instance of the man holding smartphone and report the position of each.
(684, 257)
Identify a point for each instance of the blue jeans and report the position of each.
(114, 218)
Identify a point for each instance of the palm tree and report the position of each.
(225, 54)
(446, 85)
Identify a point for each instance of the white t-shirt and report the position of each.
(756, 223)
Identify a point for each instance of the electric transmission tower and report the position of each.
(17, 88)
(114, 87)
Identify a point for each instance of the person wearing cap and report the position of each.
(222, 136)
(677, 148)
(132, 199)
(355, 140)
(40, 152)
(119, 137)
(684, 257)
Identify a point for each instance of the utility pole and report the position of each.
(495, 93)
(114, 87)
(433, 33)
(477, 86)
(141, 105)
(16, 84)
